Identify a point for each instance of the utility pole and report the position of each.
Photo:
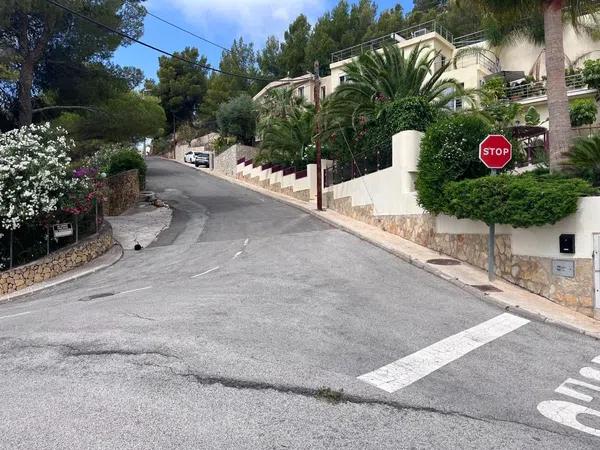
(318, 137)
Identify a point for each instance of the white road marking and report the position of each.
(246, 241)
(411, 368)
(15, 315)
(237, 254)
(207, 271)
(135, 290)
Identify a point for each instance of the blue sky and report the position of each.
(220, 21)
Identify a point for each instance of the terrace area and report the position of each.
(533, 89)
(432, 26)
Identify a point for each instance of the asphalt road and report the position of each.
(246, 325)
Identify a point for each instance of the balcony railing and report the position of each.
(470, 60)
(539, 88)
(406, 34)
(393, 38)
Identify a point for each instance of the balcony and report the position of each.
(393, 38)
(404, 35)
(539, 88)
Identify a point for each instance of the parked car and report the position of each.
(189, 157)
(202, 159)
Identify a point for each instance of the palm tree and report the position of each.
(286, 139)
(376, 78)
(583, 159)
(542, 21)
(278, 103)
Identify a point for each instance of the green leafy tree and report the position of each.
(182, 86)
(237, 117)
(390, 21)
(269, 59)
(591, 73)
(293, 48)
(582, 112)
(542, 21)
(126, 118)
(44, 35)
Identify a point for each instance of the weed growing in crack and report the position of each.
(330, 395)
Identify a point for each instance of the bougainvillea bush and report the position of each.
(34, 173)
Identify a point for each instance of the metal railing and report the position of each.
(539, 88)
(399, 36)
(422, 29)
(469, 39)
(586, 131)
(360, 165)
(475, 59)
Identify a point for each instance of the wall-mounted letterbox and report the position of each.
(567, 243)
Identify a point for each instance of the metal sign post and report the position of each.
(492, 246)
(495, 151)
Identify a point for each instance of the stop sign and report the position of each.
(495, 151)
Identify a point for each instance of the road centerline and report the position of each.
(411, 368)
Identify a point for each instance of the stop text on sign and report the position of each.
(495, 151)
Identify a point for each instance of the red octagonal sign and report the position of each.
(495, 151)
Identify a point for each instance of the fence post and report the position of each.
(76, 228)
(96, 217)
(47, 240)
(10, 246)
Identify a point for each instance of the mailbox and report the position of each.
(567, 243)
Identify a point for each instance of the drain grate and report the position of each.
(96, 296)
(443, 262)
(486, 287)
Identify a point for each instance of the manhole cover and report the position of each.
(96, 296)
(486, 288)
(443, 262)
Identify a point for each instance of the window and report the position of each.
(343, 79)
(323, 92)
(457, 103)
(301, 91)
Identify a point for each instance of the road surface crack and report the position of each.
(342, 397)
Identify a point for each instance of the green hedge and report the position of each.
(128, 159)
(521, 201)
(409, 113)
(449, 152)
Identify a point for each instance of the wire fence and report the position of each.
(37, 239)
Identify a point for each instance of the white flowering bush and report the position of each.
(33, 173)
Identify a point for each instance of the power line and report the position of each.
(186, 31)
(164, 52)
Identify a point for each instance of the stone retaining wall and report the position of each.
(56, 263)
(533, 273)
(226, 162)
(124, 191)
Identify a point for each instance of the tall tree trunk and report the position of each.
(558, 103)
(24, 93)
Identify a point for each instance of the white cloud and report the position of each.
(252, 19)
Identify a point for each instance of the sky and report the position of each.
(220, 21)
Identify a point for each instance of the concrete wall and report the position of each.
(123, 192)
(58, 262)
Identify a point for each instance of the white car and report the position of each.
(189, 157)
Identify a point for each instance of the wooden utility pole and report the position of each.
(318, 137)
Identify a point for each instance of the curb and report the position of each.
(488, 298)
(112, 256)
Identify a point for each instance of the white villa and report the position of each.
(513, 63)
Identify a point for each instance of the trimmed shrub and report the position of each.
(449, 152)
(128, 159)
(521, 201)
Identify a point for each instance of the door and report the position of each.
(597, 271)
